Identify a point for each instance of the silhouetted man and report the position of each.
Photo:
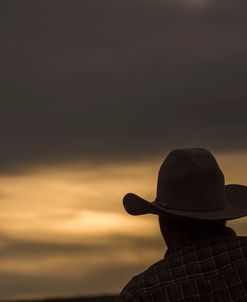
(205, 260)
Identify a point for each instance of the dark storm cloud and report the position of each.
(115, 79)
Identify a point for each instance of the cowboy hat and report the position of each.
(191, 186)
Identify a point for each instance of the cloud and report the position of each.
(53, 269)
(59, 235)
(105, 81)
(35, 250)
(63, 229)
(32, 268)
(89, 90)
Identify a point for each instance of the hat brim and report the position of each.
(235, 207)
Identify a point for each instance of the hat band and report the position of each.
(165, 206)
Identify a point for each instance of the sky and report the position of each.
(93, 95)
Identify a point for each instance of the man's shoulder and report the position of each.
(143, 282)
(176, 267)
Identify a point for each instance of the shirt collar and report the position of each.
(189, 238)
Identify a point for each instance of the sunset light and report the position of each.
(94, 95)
(59, 216)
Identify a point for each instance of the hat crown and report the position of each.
(190, 179)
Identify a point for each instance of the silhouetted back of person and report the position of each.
(205, 260)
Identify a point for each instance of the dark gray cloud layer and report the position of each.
(114, 79)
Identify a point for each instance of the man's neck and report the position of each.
(173, 234)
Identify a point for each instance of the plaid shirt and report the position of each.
(209, 266)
